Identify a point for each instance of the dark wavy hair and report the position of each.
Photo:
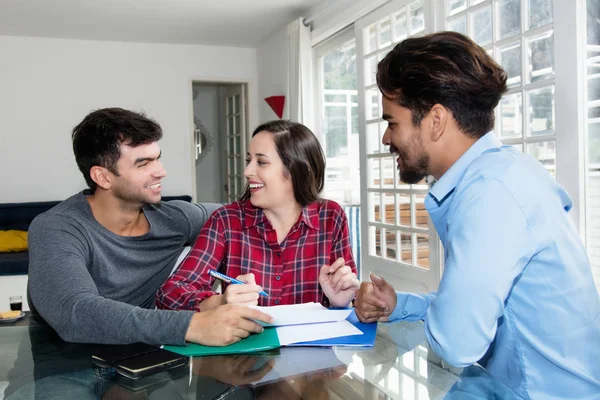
(98, 138)
(444, 68)
(302, 157)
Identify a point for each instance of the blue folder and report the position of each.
(367, 339)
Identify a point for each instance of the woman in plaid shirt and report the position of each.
(280, 235)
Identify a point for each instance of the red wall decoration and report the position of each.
(276, 103)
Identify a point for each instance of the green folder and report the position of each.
(267, 340)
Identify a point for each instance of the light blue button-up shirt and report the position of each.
(517, 293)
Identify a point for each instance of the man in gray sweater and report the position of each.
(98, 258)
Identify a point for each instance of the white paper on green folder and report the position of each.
(290, 334)
(300, 314)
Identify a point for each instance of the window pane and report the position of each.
(370, 70)
(508, 18)
(594, 89)
(455, 6)
(594, 146)
(541, 57)
(229, 105)
(541, 107)
(405, 248)
(389, 206)
(238, 186)
(236, 104)
(372, 100)
(404, 210)
(370, 38)
(354, 122)
(373, 177)
(238, 144)
(544, 152)
(540, 13)
(339, 68)
(231, 167)
(421, 215)
(374, 207)
(417, 17)
(422, 250)
(458, 25)
(511, 119)
(390, 244)
(385, 32)
(387, 165)
(238, 126)
(336, 137)
(230, 126)
(481, 26)
(400, 26)
(510, 60)
(334, 98)
(375, 241)
(373, 138)
(593, 139)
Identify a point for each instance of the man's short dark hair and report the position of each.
(98, 138)
(444, 68)
(302, 157)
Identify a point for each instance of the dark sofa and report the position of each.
(18, 216)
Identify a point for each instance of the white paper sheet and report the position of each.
(306, 333)
(297, 314)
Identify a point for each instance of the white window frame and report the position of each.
(570, 109)
(406, 278)
(319, 52)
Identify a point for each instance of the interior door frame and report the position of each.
(251, 114)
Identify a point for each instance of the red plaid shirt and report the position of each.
(239, 239)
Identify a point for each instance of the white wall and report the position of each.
(13, 286)
(209, 182)
(338, 16)
(273, 60)
(48, 85)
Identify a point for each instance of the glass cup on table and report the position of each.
(16, 303)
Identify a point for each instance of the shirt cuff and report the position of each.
(411, 306)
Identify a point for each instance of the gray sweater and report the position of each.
(94, 286)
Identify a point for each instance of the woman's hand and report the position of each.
(339, 283)
(242, 294)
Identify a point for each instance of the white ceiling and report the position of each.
(242, 23)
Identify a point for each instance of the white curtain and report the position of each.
(300, 101)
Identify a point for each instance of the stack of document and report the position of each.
(307, 322)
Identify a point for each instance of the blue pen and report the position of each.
(229, 279)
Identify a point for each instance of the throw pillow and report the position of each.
(13, 241)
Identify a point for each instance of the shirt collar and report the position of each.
(254, 216)
(446, 184)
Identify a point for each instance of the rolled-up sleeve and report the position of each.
(190, 284)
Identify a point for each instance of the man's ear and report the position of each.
(439, 118)
(101, 176)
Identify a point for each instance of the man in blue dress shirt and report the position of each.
(517, 293)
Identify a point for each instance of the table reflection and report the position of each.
(36, 364)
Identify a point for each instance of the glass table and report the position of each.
(36, 364)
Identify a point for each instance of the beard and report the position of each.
(132, 197)
(412, 171)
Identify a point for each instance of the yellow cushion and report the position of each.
(13, 241)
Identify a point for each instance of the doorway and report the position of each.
(219, 134)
